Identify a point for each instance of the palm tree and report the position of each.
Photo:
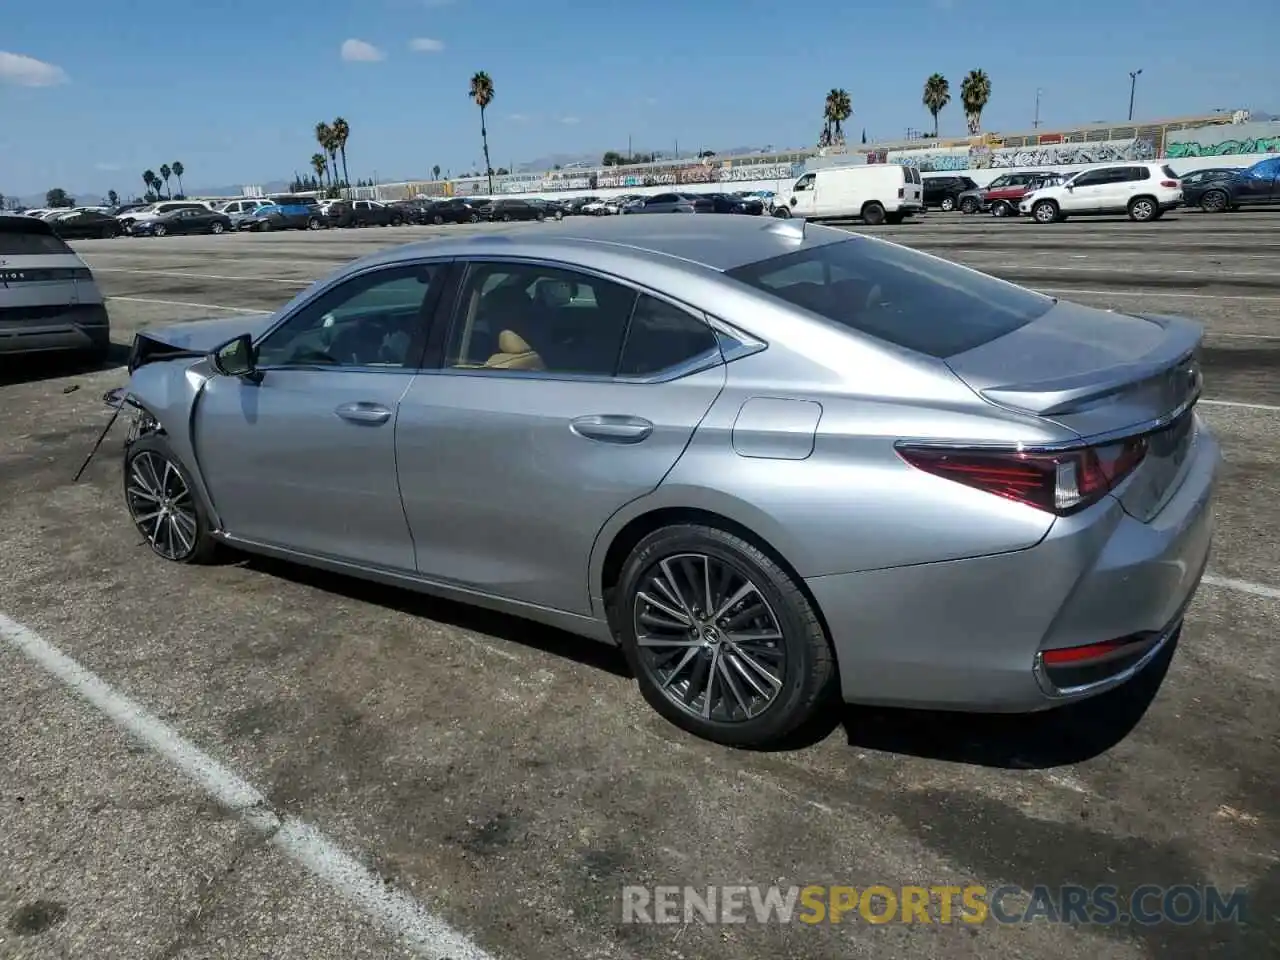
(435, 171)
(178, 171)
(937, 94)
(318, 164)
(341, 131)
(323, 136)
(165, 173)
(482, 93)
(149, 178)
(837, 110)
(974, 94)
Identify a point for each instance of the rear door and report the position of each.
(561, 396)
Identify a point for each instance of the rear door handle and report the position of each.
(362, 411)
(612, 428)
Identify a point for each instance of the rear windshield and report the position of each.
(18, 242)
(1168, 172)
(897, 295)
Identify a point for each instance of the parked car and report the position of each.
(675, 203)
(49, 300)
(943, 190)
(183, 221)
(371, 213)
(1003, 200)
(551, 209)
(1258, 185)
(1143, 191)
(83, 224)
(748, 453)
(1006, 187)
(232, 207)
(876, 193)
(456, 210)
(152, 210)
(514, 209)
(723, 203)
(284, 213)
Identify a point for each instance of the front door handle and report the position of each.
(362, 411)
(612, 428)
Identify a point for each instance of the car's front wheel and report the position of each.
(1044, 211)
(164, 504)
(968, 205)
(1215, 201)
(948, 204)
(723, 642)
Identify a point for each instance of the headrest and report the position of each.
(511, 342)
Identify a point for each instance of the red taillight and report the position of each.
(1065, 656)
(1170, 183)
(1058, 482)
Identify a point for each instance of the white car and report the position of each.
(597, 208)
(154, 210)
(1144, 191)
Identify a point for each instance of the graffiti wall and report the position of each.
(1224, 140)
(1042, 155)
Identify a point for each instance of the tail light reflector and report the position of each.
(1060, 482)
(1170, 183)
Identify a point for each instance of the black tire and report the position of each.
(873, 213)
(1001, 208)
(474, 218)
(1045, 211)
(314, 223)
(1215, 201)
(947, 205)
(216, 227)
(506, 218)
(968, 205)
(541, 216)
(437, 219)
(145, 458)
(1143, 209)
(559, 215)
(397, 221)
(782, 212)
(808, 672)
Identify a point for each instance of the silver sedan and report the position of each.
(778, 464)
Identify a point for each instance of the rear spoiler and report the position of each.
(1176, 357)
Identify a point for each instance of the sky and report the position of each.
(93, 92)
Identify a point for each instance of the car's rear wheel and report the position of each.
(474, 218)
(559, 215)
(1001, 209)
(163, 502)
(968, 205)
(217, 227)
(1045, 211)
(1143, 209)
(1215, 201)
(397, 221)
(314, 223)
(948, 204)
(541, 216)
(506, 218)
(723, 642)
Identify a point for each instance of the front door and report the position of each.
(1090, 192)
(561, 397)
(305, 458)
(1260, 183)
(804, 196)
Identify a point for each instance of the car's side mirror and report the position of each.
(1069, 186)
(235, 358)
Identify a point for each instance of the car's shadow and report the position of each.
(1059, 737)
(31, 368)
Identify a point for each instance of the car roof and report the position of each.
(719, 243)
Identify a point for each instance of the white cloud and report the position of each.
(29, 72)
(519, 117)
(426, 45)
(570, 121)
(357, 51)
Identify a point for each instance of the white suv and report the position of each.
(1145, 191)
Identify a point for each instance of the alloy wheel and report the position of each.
(161, 505)
(708, 638)
(1143, 209)
(1215, 201)
(1044, 212)
(948, 204)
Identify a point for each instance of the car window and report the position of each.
(1265, 169)
(1091, 178)
(897, 295)
(367, 321)
(662, 336)
(18, 242)
(805, 182)
(526, 318)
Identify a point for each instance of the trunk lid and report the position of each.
(1100, 375)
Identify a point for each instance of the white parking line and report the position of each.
(204, 276)
(401, 915)
(1157, 294)
(1240, 405)
(1243, 586)
(186, 303)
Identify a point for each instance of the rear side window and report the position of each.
(661, 337)
(23, 243)
(897, 295)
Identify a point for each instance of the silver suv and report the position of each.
(49, 300)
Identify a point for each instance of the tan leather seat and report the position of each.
(514, 353)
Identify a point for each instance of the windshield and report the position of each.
(897, 295)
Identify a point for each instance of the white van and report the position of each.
(875, 192)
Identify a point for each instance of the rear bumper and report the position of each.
(972, 634)
(80, 328)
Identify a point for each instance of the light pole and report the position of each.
(1036, 122)
(1133, 86)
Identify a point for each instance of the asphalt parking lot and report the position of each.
(509, 779)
